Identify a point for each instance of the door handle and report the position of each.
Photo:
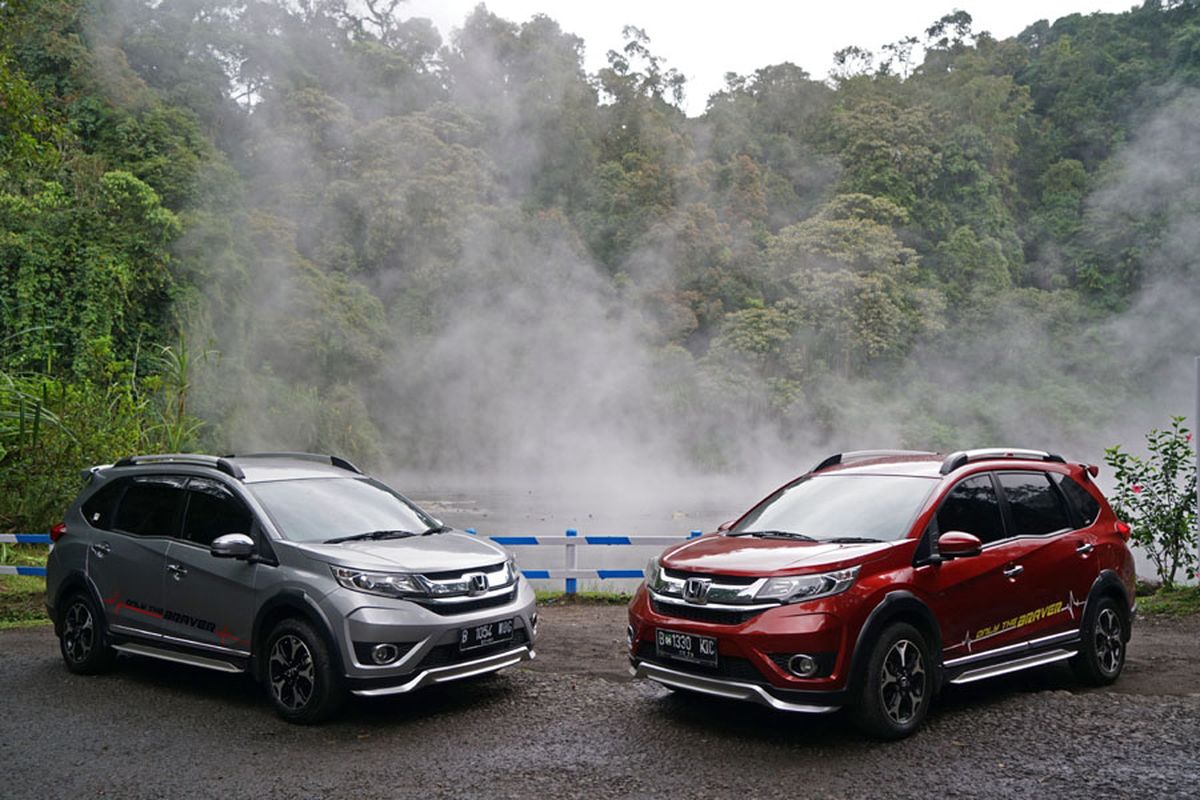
(178, 571)
(1085, 548)
(1013, 571)
(102, 549)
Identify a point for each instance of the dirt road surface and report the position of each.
(573, 724)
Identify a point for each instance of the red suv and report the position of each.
(880, 576)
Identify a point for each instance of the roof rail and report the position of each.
(964, 457)
(336, 461)
(197, 459)
(859, 455)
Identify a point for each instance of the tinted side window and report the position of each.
(971, 507)
(150, 506)
(1087, 506)
(98, 509)
(213, 511)
(1035, 505)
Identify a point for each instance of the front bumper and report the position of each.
(428, 641)
(752, 653)
(730, 690)
(453, 672)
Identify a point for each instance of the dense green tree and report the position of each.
(335, 212)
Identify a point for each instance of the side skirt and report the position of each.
(1024, 655)
(133, 642)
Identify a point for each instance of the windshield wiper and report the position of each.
(370, 536)
(775, 535)
(851, 540)
(437, 529)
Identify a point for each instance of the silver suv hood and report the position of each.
(438, 552)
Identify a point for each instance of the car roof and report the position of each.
(932, 465)
(281, 468)
(928, 466)
(247, 468)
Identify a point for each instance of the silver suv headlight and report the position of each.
(385, 584)
(797, 588)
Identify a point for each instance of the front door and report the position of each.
(209, 601)
(977, 597)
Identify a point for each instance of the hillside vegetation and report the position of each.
(316, 225)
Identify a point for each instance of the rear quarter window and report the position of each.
(98, 509)
(1086, 506)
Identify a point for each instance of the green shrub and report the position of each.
(1156, 495)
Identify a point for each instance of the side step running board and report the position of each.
(176, 656)
(1047, 657)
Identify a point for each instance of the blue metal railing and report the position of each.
(570, 573)
(24, 538)
(570, 542)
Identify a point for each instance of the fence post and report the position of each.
(570, 562)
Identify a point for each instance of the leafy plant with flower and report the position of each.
(1156, 495)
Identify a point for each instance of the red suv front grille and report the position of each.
(716, 616)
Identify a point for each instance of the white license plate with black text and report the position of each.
(686, 647)
(483, 635)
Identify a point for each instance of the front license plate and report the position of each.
(483, 635)
(686, 647)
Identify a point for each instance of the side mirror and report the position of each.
(956, 544)
(724, 526)
(232, 545)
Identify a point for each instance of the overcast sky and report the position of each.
(704, 40)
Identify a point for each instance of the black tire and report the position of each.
(1105, 633)
(81, 638)
(300, 675)
(897, 684)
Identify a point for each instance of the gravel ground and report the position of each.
(574, 725)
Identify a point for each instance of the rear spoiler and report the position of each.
(86, 475)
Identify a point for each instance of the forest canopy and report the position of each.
(318, 225)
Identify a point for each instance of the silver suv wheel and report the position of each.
(291, 672)
(79, 632)
(81, 636)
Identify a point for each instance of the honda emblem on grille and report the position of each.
(477, 583)
(695, 590)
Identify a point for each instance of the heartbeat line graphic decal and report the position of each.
(1068, 606)
(117, 605)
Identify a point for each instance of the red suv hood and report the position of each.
(747, 555)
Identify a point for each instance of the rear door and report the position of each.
(209, 601)
(975, 595)
(1058, 575)
(127, 556)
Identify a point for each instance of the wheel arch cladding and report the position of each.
(290, 604)
(896, 606)
(1108, 584)
(76, 581)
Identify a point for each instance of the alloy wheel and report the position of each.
(902, 682)
(292, 672)
(1109, 644)
(79, 632)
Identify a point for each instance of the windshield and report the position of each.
(873, 507)
(319, 509)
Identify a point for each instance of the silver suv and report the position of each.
(296, 568)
